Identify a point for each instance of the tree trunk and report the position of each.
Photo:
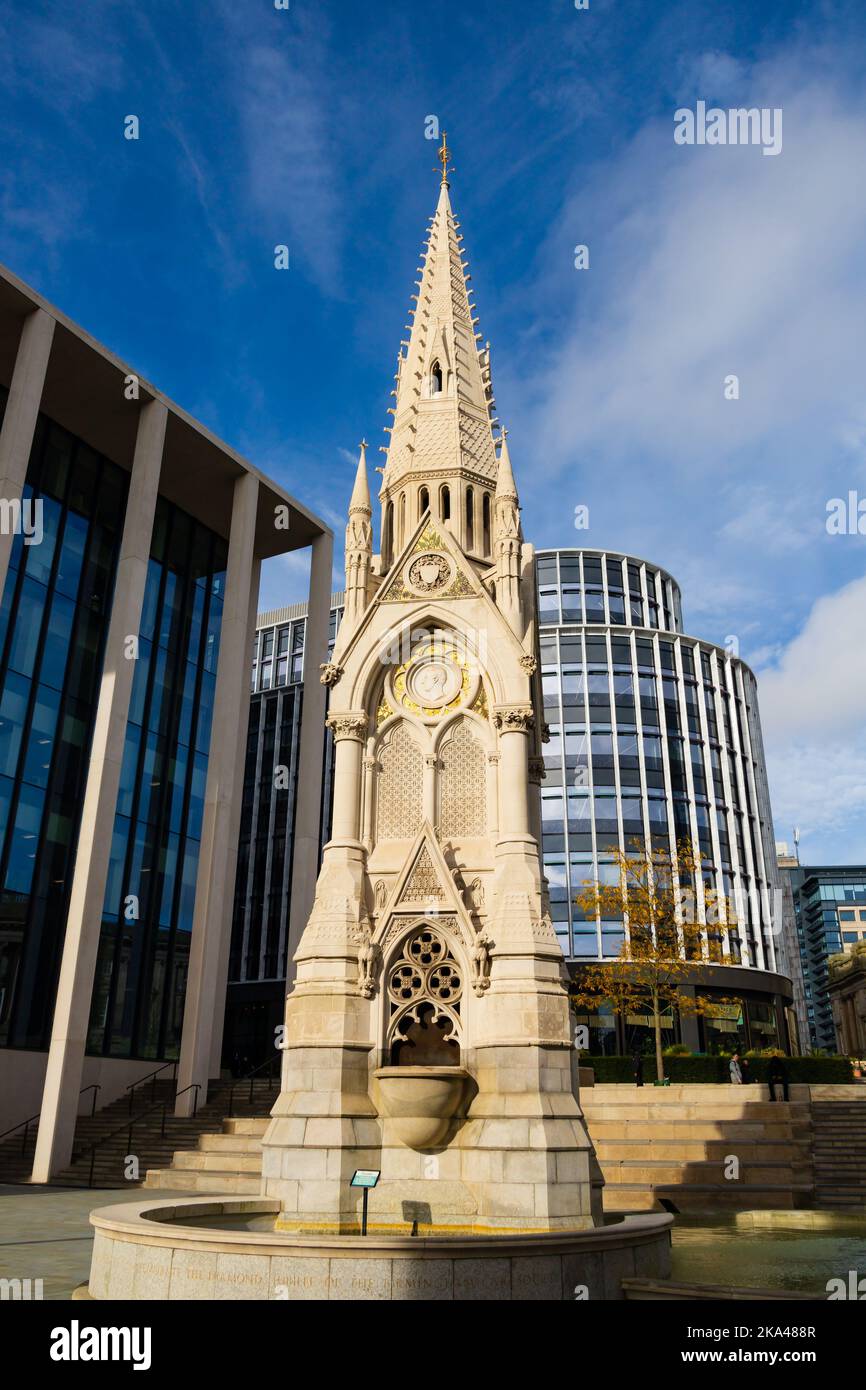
(657, 1025)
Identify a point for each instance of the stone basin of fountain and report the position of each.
(203, 1248)
(421, 1102)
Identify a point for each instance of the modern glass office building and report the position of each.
(147, 916)
(829, 914)
(53, 624)
(262, 914)
(130, 547)
(655, 738)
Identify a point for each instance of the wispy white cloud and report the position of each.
(813, 709)
(289, 115)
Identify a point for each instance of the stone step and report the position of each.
(202, 1161)
(708, 1197)
(689, 1130)
(659, 1112)
(231, 1143)
(687, 1151)
(699, 1172)
(245, 1126)
(198, 1181)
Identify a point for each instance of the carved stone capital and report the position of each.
(514, 719)
(529, 664)
(537, 770)
(330, 673)
(348, 725)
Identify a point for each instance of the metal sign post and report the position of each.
(365, 1178)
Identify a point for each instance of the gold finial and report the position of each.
(444, 155)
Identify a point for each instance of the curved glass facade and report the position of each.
(599, 587)
(654, 737)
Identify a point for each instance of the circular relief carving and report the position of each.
(426, 948)
(406, 983)
(434, 681)
(429, 573)
(444, 982)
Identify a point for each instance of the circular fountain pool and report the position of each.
(228, 1248)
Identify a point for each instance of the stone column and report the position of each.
(19, 421)
(537, 773)
(308, 803)
(83, 924)
(349, 730)
(214, 890)
(429, 788)
(514, 725)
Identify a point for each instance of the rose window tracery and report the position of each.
(425, 987)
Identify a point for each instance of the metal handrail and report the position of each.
(151, 1076)
(250, 1077)
(29, 1121)
(194, 1087)
(129, 1125)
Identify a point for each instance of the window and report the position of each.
(423, 502)
(485, 514)
(470, 519)
(445, 502)
(388, 533)
(435, 380)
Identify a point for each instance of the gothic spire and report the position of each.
(359, 542)
(441, 437)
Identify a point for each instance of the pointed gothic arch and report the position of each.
(399, 765)
(426, 983)
(462, 809)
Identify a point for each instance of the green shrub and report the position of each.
(698, 1067)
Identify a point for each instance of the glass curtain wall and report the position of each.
(140, 984)
(53, 623)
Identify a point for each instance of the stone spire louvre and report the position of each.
(443, 420)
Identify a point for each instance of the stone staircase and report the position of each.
(675, 1143)
(150, 1147)
(227, 1162)
(839, 1153)
(667, 1143)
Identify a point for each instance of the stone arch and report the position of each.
(399, 782)
(500, 686)
(425, 985)
(461, 791)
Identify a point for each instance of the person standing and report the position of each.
(745, 1070)
(734, 1068)
(777, 1075)
(637, 1066)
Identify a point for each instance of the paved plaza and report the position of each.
(45, 1233)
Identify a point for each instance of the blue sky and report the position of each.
(306, 127)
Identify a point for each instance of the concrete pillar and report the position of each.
(83, 924)
(308, 803)
(689, 1029)
(225, 940)
(19, 421)
(204, 1006)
